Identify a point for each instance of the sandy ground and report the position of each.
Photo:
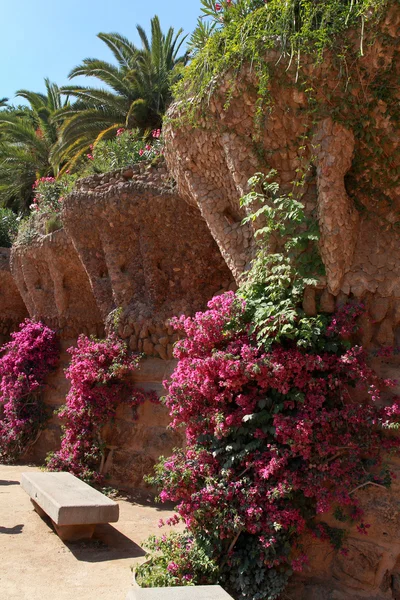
(37, 565)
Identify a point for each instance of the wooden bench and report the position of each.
(74, 507)
(200, 592)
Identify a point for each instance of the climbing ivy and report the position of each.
(287, 261)
(246, 30)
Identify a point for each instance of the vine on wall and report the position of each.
(275, 434)
(25, 362)
(98, 374)
(244, 31)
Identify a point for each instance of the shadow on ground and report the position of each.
(143, 498)
(12, 530)
(8, 482)
(107, 544)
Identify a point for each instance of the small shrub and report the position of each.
(27, 230)
(8, 227)
(126, 149)
(176, 560)
(53, 223)
(49, 193)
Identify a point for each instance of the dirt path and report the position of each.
(37, 565)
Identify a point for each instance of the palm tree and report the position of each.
(26, 140)
(136, 94)
(3, 102)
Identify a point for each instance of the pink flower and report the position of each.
(141, 152)
(90, 156)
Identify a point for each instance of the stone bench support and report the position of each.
(201, 592)
(74, 507)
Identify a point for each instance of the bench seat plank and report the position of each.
(200, 592)
(67, 500)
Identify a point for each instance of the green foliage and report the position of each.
(114, 319)
(287, 261)
(137, 90)
(53, 223)
(8, 227)
(27, 230)
(244, 31)
(200, 36)
(247, 571)
(27, 136)
(176, 559)
(49, 193)
(123, 150)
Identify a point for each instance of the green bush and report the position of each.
(27, 230)
(242, 31)
(53, 223)
(8, 227)
(127, 148)
(176, 560)
(49, 193)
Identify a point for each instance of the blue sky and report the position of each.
(47, 38)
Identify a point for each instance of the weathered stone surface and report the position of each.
(54, 395)
(138, 438)
(68, 500)
(360, 568)
(201, 592)
(337, 215)
(360, 239)
(54, 285)
(309, 302)
(12, 308)
(327, 302)
(145, 251)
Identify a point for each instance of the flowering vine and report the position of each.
(274, 438)
(25, 362)
(97, 373)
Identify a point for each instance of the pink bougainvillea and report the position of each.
(273, 437)
(97, 374)
(26, 360)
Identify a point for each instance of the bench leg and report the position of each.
(39, 510)
(73, 533)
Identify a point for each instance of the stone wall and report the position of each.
(129, 242)
(54, 285)
(355, 201)
(136, 441)
(12, 308)
(146, 252)
(134, 241)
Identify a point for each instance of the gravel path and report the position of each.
(37, 565)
